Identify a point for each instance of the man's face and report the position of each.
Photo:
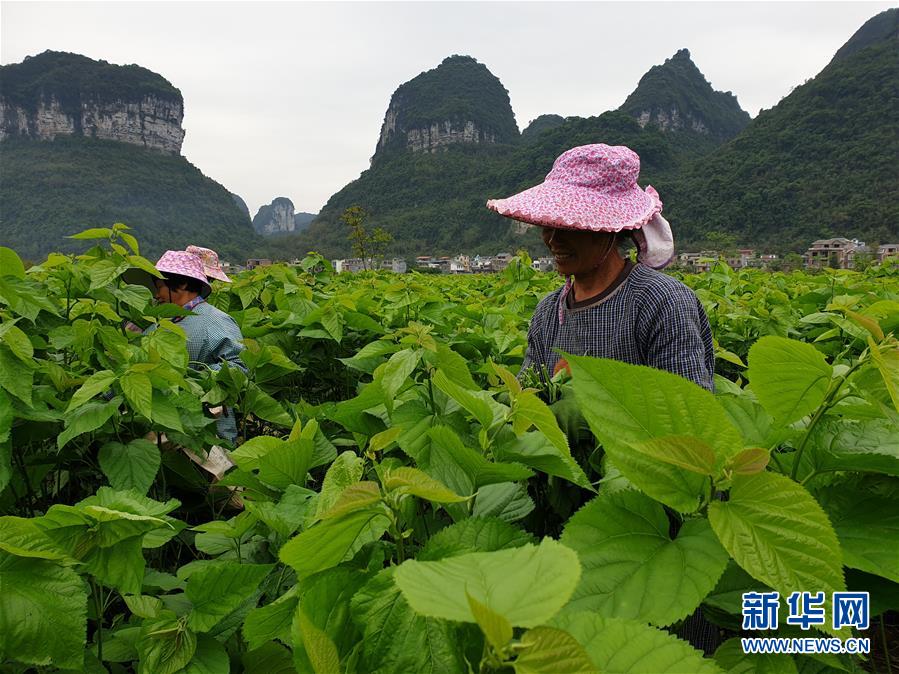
(575, 251)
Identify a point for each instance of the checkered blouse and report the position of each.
(649, 319)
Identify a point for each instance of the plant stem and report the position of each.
(98, 607)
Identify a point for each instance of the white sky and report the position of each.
(287, 98)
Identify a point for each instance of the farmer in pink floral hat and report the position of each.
(589, 206)
(211, 265)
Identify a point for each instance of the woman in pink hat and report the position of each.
(213, 337)
(589, 205)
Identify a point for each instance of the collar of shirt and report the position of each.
(189, 306)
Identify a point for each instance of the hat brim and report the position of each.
(218, 275)
(555, 204)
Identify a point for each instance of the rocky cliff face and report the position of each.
(275, 218)
(150, 122)
(55, 94)
(460, 101)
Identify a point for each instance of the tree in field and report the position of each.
(369, 246)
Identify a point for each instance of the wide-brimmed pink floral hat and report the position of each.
(594, 188)
(211, 265)
(184, 264)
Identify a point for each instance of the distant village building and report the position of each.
(543, 264)
(838, 253)
(481, 264)
(461, 264)
(349, 265)
(254, 262)
(886, 250)
(501, 261)
(424, 261)
(767, 258)
(397, 265)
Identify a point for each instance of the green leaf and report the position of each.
(131, 466)
(394, 373)
(502, 580)
(547, 650)
(270, 658)
(449, 453)
(218, 588)
(209, 658)
(683, 451)
(475, 534)
(790, 378)
(867, 525)
(261, 404)
(396, 639)
(165, 646)
(779, 534)
(357, 496)
(18, 342)
(328, 543)
(618, 646)
(271, 621)
(93, 233)
(494, 626)
(469, 400)
(730, 656)
(631, 566)
(138, 392)
(165, 412)
(865, 446)
(453, 366)
(413, 481)
(43, 613)
(887, 363)
(96, 383)
(287, 463)
(629, 404)
(346, 470)
(509, 501)
(87, 418)
(11, 263)
(144, 606)
(536, 450)
(15, 376)
(24, 537)
(750, 461)
(318, 646)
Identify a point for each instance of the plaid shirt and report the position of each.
(650, 319)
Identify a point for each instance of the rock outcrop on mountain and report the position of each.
(57, 93)
(458, 102)
(241, 204)
(277, 217)
(302, 220)
(676, 98)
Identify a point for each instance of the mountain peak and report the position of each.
(676, 97)
(459, 101)
(879, 28)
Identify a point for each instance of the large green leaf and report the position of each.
(449, 452)
(618, 646)
(317, 646)
(43, 612)
(547, 650)
(131, 466)
(138, 392)
(867, 525)
(96, 383)
(626, 405)
(271, 621)
(474, 402)
(509, 501)
(502, 580)
(15, 376)
(631, 566)
(790, 378)
(871, 445)
(412, 481)
(475, 534)
(87, 418)
(779, 534)
(24, 537)
(11, 263)
(396, 639)
(394, 373)
(218, 588)
(165, 646)
(209, 658)
(536, 450)
(329, 542)
(730, 656)
(346, 470)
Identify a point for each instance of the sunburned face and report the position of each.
(577, 252)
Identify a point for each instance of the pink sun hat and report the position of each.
(184, 264)
(594, 188)
(211, 265)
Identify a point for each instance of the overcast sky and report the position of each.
(287, 98)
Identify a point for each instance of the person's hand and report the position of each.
(561, 365)
(132, 327)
